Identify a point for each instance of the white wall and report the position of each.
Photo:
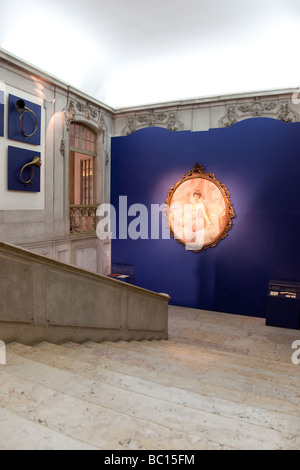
(40, 221)
(19, 200)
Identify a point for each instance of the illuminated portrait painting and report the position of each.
(199, 210)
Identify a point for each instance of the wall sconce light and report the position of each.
(46, 102)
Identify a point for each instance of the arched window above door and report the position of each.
(82, 139)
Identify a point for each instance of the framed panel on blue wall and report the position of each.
(1, 113)
(24, 172)
(24, 120)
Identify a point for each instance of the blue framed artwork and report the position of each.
(1, 113)
(24, 120)
(24, 172)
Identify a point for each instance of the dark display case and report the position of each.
(123, 272)
(283, 307)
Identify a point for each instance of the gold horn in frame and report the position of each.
(21, 107)
(36, 162)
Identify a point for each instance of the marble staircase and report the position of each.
(220, 382)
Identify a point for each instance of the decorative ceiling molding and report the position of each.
(167, 120)
(258, 108)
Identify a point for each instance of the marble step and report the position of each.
(210, 427)
(199, 383)
(256, 348)
(205, 371)
(182, 343)
(19, 433)
(266, 413)
(196, 400)
(239, 334)
(88, 422)
(127, 392)
(226, 325)
(198, 347)
(195, 354)
(174, 417)
(254, 343)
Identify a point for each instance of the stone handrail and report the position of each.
(42, 299)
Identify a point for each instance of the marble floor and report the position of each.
(221, 381)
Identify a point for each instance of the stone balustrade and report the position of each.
(82, 219)
(42, 299)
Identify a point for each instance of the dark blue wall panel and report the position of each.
(1, 113)
(28, 122)
(258, 160)
(17, 158)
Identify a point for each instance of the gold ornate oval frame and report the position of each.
(199, 211)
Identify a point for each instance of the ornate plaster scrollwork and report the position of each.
(173, 124)
(131, 126)
(102, 127)
(84, 112)
(70, 114)
(62, 148)
(87, 111)
(230, 117)
(258, 108)
(153, 119)
(285, 114)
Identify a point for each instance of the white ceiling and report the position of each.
(134, 52)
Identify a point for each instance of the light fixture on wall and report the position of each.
(46, 102)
